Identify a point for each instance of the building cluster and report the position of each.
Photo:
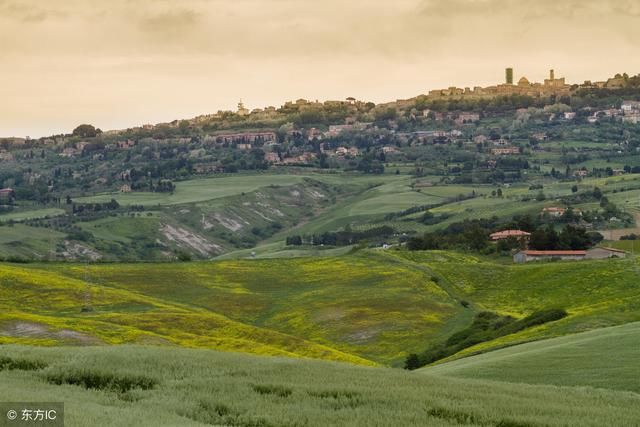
(528, 255)
(629, 112)
(551, 86)
(246, 138)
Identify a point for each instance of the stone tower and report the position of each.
(509, 76)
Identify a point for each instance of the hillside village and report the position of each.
(512, 135)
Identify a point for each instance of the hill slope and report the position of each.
(366, 307)
(350, 308)
(596, 294)
(604, 358)
(153, 386)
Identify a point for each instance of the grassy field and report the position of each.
(368, 307)
(31, 214)
(154, 386)
(204, 189)
(603, 358)
(353, 308)
(197, 190)
(28, 242)
(226, 215)
(594, 293)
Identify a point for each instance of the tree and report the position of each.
(544, 238)
(412, 362)
(597, 193)
(574, 189)
(573, 238)
(86, 131)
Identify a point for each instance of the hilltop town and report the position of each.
(512, 135)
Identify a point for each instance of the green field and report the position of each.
(153, 386)
(196, 190)
(31, 214)
(199, 190)
(234, 216)
(603, 358)
(368, 307)
(595, 293)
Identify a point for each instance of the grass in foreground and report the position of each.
(147, 386)
(604, 358)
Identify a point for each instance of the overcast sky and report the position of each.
(120, 63)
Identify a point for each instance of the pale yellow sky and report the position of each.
(121, 63)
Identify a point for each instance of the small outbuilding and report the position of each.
(530, 255)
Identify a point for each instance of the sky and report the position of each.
(122, 63)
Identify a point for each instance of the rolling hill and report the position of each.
(366, 307)
(151, 386)
(603, 358)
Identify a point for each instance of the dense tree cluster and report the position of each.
(341, 238)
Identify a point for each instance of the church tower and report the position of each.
(242, 111)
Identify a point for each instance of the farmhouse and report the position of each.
(480, 139)
(125, 188)
(540, 136)
(247, 137)
(467, 118)
(7, 194)
(505, 234)
(272, 157)
(554, 211)
(505, 151)
(527, 256)
(628, 106)
(125, 145)
(69, 152)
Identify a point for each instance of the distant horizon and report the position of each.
(191, 115)
(120, 64)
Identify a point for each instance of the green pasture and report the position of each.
(155, 386)
(604, 358)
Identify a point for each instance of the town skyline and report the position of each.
(236, 105)
(122, 63)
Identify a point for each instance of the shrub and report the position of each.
(273, 389)
(102, 381)
(7, 363)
